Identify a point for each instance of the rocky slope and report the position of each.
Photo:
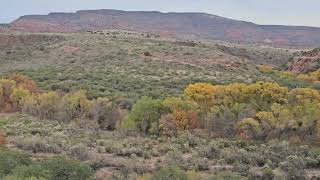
(305, 61)
(182, 25)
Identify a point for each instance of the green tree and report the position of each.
(146, 114)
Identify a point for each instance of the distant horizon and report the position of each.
(262, 12)
(75, 11)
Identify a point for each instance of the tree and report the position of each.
(47, 105)
(105, 113)
(24, 82)
(185, 119)
(30, 105)
(173, 104)
(263, 94)
(167, 125)
(18, 96)
(145, 114)
(75, 105)
(182, 113)
(304, 95)
(249, 127)
(202, 94)
(6, 87)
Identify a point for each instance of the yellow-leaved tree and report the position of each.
(75, 105)
(202, 94)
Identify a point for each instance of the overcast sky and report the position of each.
(285, 12)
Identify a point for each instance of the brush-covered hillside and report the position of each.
(122, 64)
(129, 105)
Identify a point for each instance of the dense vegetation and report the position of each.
(260, 111)
(124, 66)
(145, 113)
(16, 165)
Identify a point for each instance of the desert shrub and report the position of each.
(2, 139)
(36, 144)
(261, 173)
(212, 151)
(169, 172)
(9, 160)
(227, 175)
(63, 169)
(79, 152)
(34, 171)
(294, 167)
(265, 68)
(147, 53)
(307, 78)
(16, 165)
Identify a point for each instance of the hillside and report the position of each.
(181, 25)
(305, 62)
(115, 104)
(106, 63)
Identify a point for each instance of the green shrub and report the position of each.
(9, 160)
(32, 171)
(63, 169)
(294, 167)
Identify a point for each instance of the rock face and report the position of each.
(182, 25)
(305, 61)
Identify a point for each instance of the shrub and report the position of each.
(36, 144)
(10, 160)
(35, 171)
(2, 139)
(169, 172)
(105, 113)
(63, 169)
(265, 68)
(227, 175)
(147, 53)
(294, 166)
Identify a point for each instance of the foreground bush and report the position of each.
(16, 165)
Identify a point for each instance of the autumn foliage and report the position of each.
(261, 110)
